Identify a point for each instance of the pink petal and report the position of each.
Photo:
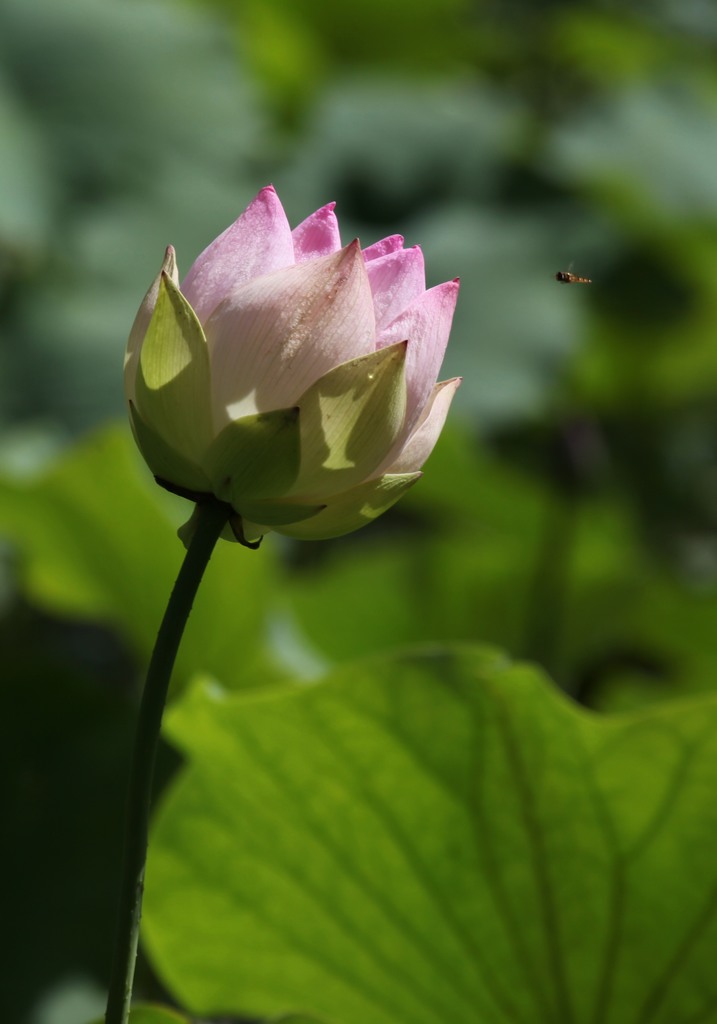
(275, 336)
(430, 424)
(318, 235)
(396, 280)
(257, 243)
(426, 324)
(386, 245)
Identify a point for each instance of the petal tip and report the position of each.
(351, 255)
(169, 264)
(267, 196)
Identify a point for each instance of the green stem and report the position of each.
(210, 519)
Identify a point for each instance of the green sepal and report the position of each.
(252, 533)
(187, 530)
(353, 509)
(246, 531)
(172, 386)
(350, 419)
(255, 457)
(163, 460)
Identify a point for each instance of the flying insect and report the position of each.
(565, 277)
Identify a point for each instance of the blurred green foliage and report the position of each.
(569, 514)
(113, 562)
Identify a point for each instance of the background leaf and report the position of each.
(438, 837)
(97, 541)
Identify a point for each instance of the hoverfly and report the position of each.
(565, 277)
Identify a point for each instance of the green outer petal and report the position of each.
(278, 513)
(141, 322)
(163, 460)
(254, 532)
(255, 457)
(350, 419)
(353, 509)
(251, 531)
(173, 384)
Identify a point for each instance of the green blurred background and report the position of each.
(569, 513)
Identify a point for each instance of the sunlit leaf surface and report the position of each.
(438, 837)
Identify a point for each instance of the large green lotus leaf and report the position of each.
(96, 540)
(146, 1013)
(150, 1014)
(156, 1015)
(438, 837)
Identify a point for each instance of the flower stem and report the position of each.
(210, 519)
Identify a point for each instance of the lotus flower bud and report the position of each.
(291, 377)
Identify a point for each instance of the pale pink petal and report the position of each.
(396, 280)
(427, 431)
(318, 235)
(257, 243)
(386, 245)
(426, 325)
(275, 336)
